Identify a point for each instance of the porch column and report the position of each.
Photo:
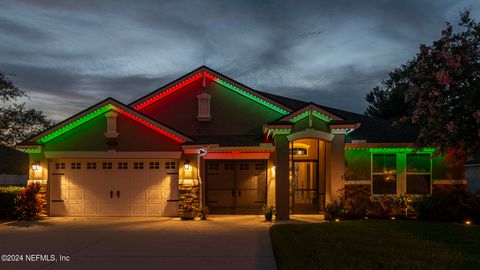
(337, 161)
(281, 177)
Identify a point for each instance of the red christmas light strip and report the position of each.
(150, 125)
(169, 91)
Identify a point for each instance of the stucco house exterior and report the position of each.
(243, 148)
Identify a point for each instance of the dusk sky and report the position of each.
(69, 55)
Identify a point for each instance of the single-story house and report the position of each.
(241, 147)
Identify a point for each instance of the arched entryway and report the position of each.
(307, 175)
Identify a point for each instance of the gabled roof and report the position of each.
(99, 109)
(204, 72)
(372, 129)
(317, 112)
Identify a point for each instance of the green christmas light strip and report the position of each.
(99, 112)
(246, 94)
(393, 150)
(75, 124)
(32, 150)
(320, 116)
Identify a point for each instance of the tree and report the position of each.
(17, 123)
(388, 100)
(442, 83)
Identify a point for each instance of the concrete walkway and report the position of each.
(222, 242)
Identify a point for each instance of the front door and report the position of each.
(304, 187)
(236, 186)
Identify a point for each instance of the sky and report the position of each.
(69, 55)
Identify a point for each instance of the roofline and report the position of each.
(107, 101)
(214, 73)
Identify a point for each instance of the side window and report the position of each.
(384, 173)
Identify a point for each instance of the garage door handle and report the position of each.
(111, 194)
(118, 193)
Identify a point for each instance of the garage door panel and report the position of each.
(85, 190)
(75, 194)
(75, 209)
(237, 186)
(91, 209)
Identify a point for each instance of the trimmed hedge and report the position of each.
(8, 198)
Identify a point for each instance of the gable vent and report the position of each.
(204, 107)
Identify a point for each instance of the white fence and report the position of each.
(7, 179)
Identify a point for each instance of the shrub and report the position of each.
(8, 198)
(456, 206)
(29, 202)
(352, 204)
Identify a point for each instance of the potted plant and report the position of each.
(203, 213)
(268, 212)
(187, 213)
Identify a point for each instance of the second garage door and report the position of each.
(236, 186)
(113, 187)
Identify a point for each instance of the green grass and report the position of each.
(376, 244)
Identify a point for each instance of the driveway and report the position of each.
(222, 242)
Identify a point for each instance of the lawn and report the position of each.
(376, 244)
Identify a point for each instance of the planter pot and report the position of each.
(268, 217)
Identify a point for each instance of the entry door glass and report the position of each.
(305, 187)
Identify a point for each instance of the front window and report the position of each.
(419, 172)
(384, 173)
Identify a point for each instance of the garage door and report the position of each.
(113, 187)
(236, 186)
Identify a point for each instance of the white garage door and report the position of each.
(113, 187)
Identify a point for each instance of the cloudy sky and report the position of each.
(71, 54)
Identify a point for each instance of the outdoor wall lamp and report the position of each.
(186, 165)
(36, 166)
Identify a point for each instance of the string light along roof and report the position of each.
(201, 74)
(102, 110)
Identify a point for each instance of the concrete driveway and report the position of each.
(222, 242)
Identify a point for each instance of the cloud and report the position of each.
(330, 52)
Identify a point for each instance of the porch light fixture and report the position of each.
(36, 166)
(186, 165)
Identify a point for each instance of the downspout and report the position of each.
(199, 179)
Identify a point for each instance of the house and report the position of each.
(242, 148)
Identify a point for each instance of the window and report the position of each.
(154, 165)
(60, 166)
(244, 166)
(76, 165)
(419, 172)
(259, 166)
(91, 165)
(122, 165)
(213, 166)
(170, 165)
(229, 166)
(138, 165)
(384, 173)
(107, 165)
(297, 151)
